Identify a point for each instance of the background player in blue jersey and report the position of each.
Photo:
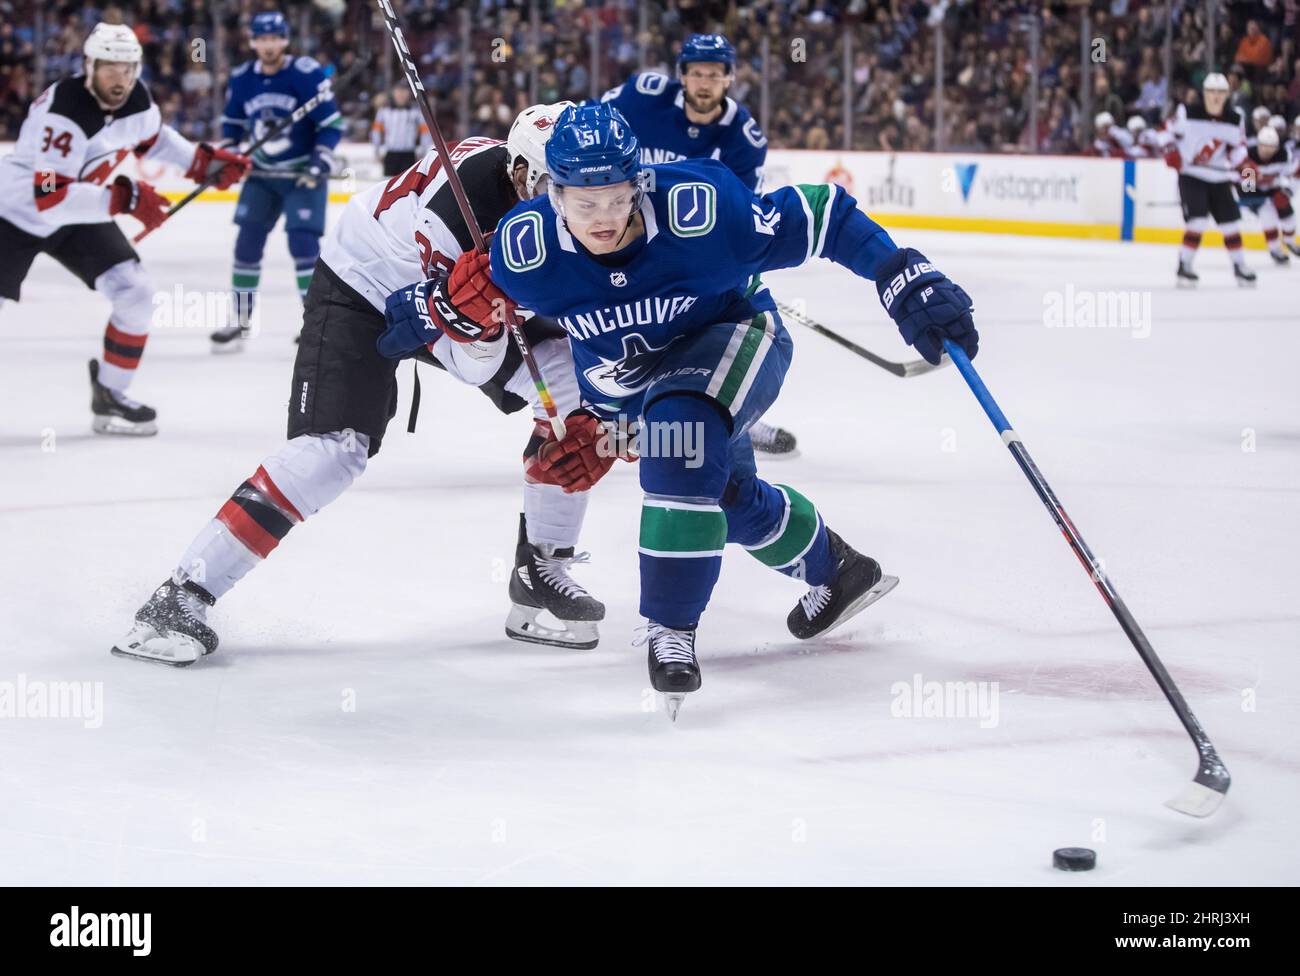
(290, 174)
(693, 118)
(670, 324)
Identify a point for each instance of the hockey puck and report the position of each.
(1074, 859)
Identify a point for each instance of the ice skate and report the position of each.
(171, 628)
(117, 413)
(548, 605)
(1245, 277)
(674, 669)
(1187, 278)
(858, 584)
(230, 338)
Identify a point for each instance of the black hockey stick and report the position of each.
(1203, 796)
(913, 367)
(513, 324)
(280, 127)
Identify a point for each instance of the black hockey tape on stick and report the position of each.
(913, 367)
(298, 115)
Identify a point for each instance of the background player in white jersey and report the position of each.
(1267, 164)
(56, 199)
(344, 393)
(693, 117)
(1206, 143)
(1113, 140)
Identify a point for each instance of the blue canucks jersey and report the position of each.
(256, 101)
(654, 106)
(707, 240)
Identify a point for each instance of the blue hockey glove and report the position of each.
(409, 325)
(322, 160)
(925, 305)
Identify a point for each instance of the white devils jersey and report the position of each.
(67, 150)
(1258, 176)
(1211, 147)
(1116, 141)
(410, 228)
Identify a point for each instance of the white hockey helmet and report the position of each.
(112, 42)
(1268, 137)
(1277, 122)
(1136, 124)
(1215, 81)
(1103, 121)
(528, 137)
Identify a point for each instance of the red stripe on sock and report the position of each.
(125, 338)
(263, 483)
(113, 359)
(1232, 242)
(1270, 235)
(1191, 239)
(255, 538)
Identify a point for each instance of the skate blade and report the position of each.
(523, 624)
(673, 704)
(227, 348)
(882, 587)
(145, 644)
(1241, 283)
(1184, 283)
(125, 428)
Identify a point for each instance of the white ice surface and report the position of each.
(473, 759)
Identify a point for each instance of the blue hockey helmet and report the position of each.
(268, 23)
(707, 48)
(592, 145)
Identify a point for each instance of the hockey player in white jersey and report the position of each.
(1267, 165)
(58, 197)
(344, 393)
(1206, 143)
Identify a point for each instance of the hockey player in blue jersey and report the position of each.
(693, 118)
(654, 273)
(290, 174)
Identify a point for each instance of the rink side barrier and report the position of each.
(1077, 197)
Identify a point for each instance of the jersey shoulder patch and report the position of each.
(692, 209)
(650, 83)
(523, 241)
(306, 64)
(753, 134)
(242, 69)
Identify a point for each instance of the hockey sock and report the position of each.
(780, 528)
(683, 528)
(1191, 240)
(306, 474)
(246, 273)
(304, 245)
(554, 516)
(1232, 241)
(127, 287)
(1270, 238)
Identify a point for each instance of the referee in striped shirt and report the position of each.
(399, 132)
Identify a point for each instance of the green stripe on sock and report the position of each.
(682, 531)
(795, 537)
(245, 282)
(744, 356)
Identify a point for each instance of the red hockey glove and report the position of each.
(470, 291)
(576, 463)
(1173, 158)
(227, 167)
(140, 200)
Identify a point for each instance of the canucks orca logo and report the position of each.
(623, 377)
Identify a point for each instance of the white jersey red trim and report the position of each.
(67, 149)
(1211, 147)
